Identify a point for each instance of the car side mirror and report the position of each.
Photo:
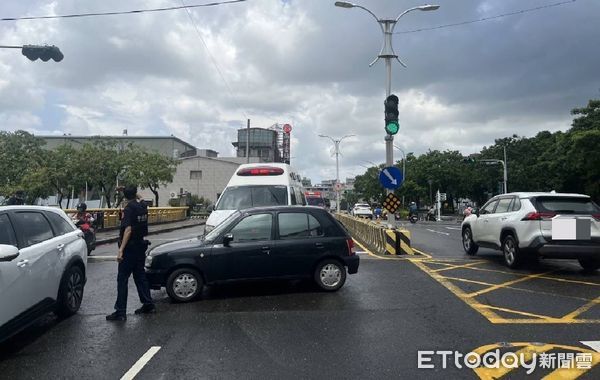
(476, 212)
(228, 238)
(8, 252)
(214, 207)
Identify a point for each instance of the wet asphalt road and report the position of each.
(372, 328)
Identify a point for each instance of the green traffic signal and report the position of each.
(392, 127)
(391, 115)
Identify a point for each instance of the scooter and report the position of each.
(413, 218)
(89, 234)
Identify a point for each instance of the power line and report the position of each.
(488, 18)
(74, 15)
(212, 58)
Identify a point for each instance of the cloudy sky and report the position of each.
(199, 76)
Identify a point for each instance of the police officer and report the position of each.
(131, 257)
(18, 198)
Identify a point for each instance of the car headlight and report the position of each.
(149, 258)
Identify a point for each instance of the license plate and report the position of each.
(565, 228)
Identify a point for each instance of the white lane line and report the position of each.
(595, 344)
(137, 367)
(439, 232)
(453, 228)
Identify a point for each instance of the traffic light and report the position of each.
(44, 53)
(391, 115)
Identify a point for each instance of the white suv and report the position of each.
(43, 260)
(362, 210)
(520, 224)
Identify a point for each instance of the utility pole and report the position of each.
(248, 142)
(336, 144)
(505, 172)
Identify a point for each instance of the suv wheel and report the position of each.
(469, 245)
(184, 284)
(589, 265)
(70, 292)
(512, 255)
(330, 275)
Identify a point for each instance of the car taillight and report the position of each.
(596, 216)
(258, 171)
(350, 244)
(539, 216)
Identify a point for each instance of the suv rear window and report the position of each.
(567, 205)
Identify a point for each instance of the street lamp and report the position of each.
(387, 52)
(336, 144)
(494, 161)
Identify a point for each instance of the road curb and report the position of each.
(154, 232)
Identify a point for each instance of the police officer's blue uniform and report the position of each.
(135, 215)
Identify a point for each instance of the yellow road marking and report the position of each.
(459, 293)
(468, 281)
(496, 373)
(505, 284)
(546, 317)
(422, 253)
(450, 267)
(542, 277)
(582, 309)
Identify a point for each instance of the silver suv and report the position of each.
(43, 259)
(521, 226)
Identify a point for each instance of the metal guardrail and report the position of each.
(111, 217)
(391, 241)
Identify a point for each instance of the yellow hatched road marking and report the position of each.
(505, 284)
(582, 309)
(542, 277)
(451, 267)
(546, 317)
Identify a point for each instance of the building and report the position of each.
(200, 172)
(169, 146)
(263, 144)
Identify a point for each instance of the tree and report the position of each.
(21, 156)
(148, 169)
(589, 119)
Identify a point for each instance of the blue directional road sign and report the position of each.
(391, 177)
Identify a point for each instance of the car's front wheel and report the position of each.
(469, 245)
(513, 257)
(330, 275)
(590, 265)
(70, 292)
(184, 284)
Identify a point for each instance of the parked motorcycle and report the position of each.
(413, 218)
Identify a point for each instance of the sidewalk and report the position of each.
(111, 236)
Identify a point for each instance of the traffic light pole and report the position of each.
(389, 139)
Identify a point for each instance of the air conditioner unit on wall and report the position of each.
(173, 195)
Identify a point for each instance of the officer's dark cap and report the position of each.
(130, 192)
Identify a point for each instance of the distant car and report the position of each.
(362, 210)
(286, 242)
(520, 225)
(43, 259)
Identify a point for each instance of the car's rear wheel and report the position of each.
(469, 245)
(184, 284)
(330, 275)
(70, 293)
(589, 265)
(513, 257)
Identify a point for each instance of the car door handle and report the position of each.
(60, 247)
(319, 245)
(23, 263)
(504, 218)
(266, 250)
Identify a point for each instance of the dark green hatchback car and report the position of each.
(285, 242)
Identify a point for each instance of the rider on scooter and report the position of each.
(82, 215)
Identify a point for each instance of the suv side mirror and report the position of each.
(227, 238)
(8, 252)
(476, 212)
(214, 207)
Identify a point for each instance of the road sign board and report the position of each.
(287, 128)
(391, 177)
(391, 203)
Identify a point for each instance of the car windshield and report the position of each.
(212, 235)
(567, 205)
(315, 201)
(242, 197)
(362, 205)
